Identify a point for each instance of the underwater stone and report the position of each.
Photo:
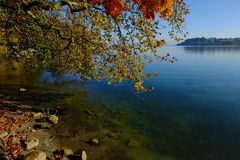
(84, 155)
(95, 141)
(45, 125)
(37, 156)
(68, 151)
(33, 143)
(54, 119)
(38, 116)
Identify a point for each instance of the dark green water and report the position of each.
(192, 114)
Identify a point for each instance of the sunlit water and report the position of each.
(193, 113)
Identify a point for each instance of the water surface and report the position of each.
(192, 113)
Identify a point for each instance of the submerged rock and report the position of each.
(67, 151)
(95, 141)
(37, 156)
(22, 89)
(33, 143)
(53, 119)
(45, 125)
(38, 116)
(84, 155)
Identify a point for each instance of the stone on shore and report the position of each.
(53, 119)
(37, 156)
(84, 155)
(32, 144)
(38, 116)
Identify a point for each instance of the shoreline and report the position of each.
(25, 134)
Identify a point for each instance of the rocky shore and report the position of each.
(24, 135)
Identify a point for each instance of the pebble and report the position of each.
(38, 116)
(84, 155)
(22, 89)
(33, 143)
(53, 119)
(45, 125)
(95, 141)
(68, 151)
(37, 156)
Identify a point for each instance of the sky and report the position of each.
(213, 18)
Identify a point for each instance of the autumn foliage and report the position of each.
(149, 8)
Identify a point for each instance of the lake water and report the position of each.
(193, 113)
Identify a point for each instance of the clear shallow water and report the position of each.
(192, 114)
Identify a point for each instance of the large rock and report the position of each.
(33, 143)
(84, 155)
(37, 156)
(53, 119)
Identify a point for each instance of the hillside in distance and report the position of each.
(211, 42)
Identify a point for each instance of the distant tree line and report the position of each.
(211, 41)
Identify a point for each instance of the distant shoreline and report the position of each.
(207, 45)
(229, 42)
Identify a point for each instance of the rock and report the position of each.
(38, 116)
(22, 89)
(53, 119)
(37, 156)
(67, 152)
(33, 143)
(84, 155)
(3, 134)
(45, 125)
(95, 141)
(113, 135)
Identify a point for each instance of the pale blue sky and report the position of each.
(213, 18)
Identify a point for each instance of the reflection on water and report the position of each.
(192, 114)
(211, 49)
